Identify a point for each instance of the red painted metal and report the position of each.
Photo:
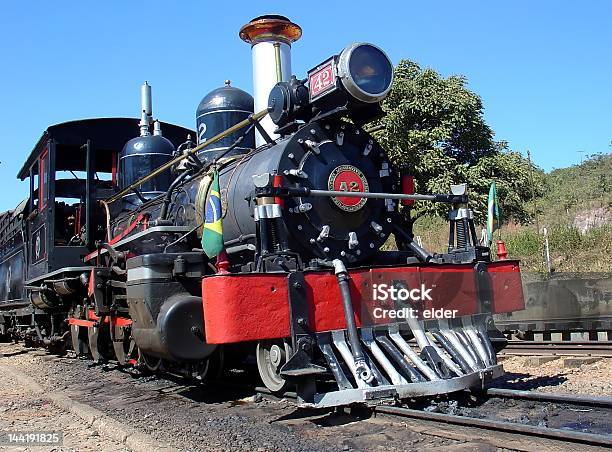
(140, 219)
(116, 321)
(277, 182)
(42, 183)
(223, 263)
(90, 284)
(80, 322)
(502, 253)
(248, 307)
(407, 189)
(93, 320)
(114, 169)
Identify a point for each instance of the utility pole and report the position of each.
(533, 195)
(581, 152)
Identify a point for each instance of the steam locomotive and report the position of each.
(106, 255)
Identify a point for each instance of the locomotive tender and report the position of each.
(109, 259)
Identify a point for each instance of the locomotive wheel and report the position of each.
(99, 343)
(79, 340)
(123, 350)
(151, 363)
(271, 356)
(123, 344)
(212, 367)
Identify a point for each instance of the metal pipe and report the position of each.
(354, 194)
(446, 198)
(270, 38)
(255, 117)
(277, 61)
(146, 109)
(361, 367)
(168, 196)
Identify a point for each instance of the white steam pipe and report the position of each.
(267, 56)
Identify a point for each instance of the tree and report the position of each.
(435, 126)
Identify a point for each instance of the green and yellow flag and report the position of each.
(212, 234)
(493, 212)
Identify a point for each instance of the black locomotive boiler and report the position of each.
(113, 263)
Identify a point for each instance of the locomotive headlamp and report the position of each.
(352, 83)
(365, 72)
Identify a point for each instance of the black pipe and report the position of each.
(419, 252)
(166, 203)
(240, 239)
(452, 352)
(361, 368)
(139, 195)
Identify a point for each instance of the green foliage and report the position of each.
(524, 242)
(576, 189)
(435, 126)
(564, 239)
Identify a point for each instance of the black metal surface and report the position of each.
(108, 134)
(218, 110)
(167, 316)
(304, 227)
(349, 316)
(139, 157)
(407, 370)
(300, 364)
(89, 192)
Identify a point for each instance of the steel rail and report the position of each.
(501, 426)
(560, 348)
(250, 120)
(584, 400)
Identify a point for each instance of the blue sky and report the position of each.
(543, 69)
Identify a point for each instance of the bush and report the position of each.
(523, 243)
(565, 239)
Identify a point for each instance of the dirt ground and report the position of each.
(220, 418)
(24, 411)
(594, 378)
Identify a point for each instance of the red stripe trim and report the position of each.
(130, 228)
(80, 322)
(142, 219)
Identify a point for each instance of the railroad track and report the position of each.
(517, 430)
(481, 419)
(560, 348)
(519, 435)
(513, 428)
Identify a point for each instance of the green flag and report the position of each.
(212, 234)
(493, 212)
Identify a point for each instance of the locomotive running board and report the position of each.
(462, 360)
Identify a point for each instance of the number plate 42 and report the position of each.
(322, 80)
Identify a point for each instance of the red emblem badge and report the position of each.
(351, 179)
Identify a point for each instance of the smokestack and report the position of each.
(270, 37)
(146, 109)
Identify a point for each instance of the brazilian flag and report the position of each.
(212, 234)
(493, 212)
